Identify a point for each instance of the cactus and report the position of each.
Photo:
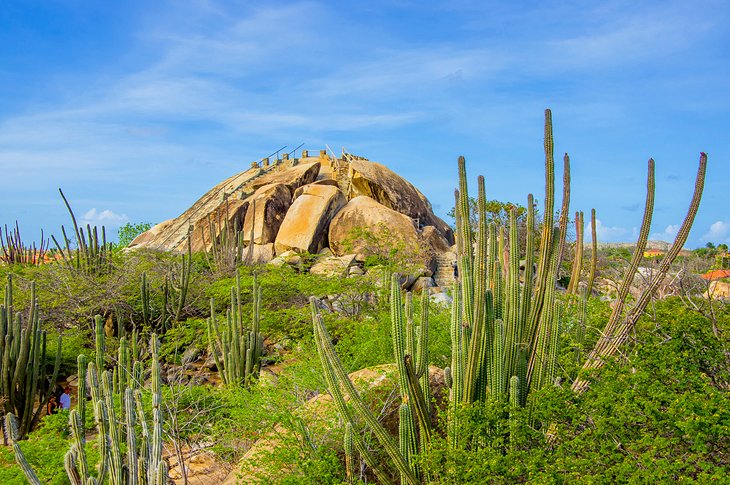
(123, 460)
(339, 385)
(226, 251)
(505, 333)
(239, 345)
(349, 445)
(93, 255)
(619, 327)
(14, 251)
(186, 264)
(578, 258)
(594, 254)
(145, 293)
(11, 427)
(23, 374)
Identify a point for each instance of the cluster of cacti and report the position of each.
(159, 322)
(504, 328)
(186, 266)
(119, 415)
(410, 349)
(14, 250)
(237, 347)
(340, 386)
(24, 380)
(93, 255)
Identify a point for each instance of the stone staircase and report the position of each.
(444, 274)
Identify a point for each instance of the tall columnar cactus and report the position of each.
(594, 254)
(578, 257)
(620, 325)
(24, 380)
(340, 385)
(236, 346)
(186, 266)
(144, 291)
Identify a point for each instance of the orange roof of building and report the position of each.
(717, 274)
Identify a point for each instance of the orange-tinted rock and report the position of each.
(306, 224)
(293, 177)
(393, 191)
(364, 223)
(266, 213)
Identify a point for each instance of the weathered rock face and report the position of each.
(172, 234)
(266, 213)
(291, 203)
(393, 191)
(293, 177)
(333, 265)
(307, 221)
(230, 214)
(301, 189)
(363, 214)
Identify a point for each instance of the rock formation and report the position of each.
(306, 204)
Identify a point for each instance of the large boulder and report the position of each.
(259, 253)
(333, 265)
(268, 205)
(365, 226)
(306, 224)
(393, 191)
(293, 177)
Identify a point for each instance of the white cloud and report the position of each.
(105, 217)
(610, 233)
(669, 233)
(719, 232)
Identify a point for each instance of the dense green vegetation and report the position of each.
(659, 413)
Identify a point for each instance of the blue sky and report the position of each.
(137, 108)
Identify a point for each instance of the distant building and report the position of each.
(654, 253)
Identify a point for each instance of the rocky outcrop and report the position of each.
(301, 190)
(364, 223)
(291, 203)
(266, 213)
(393, 191)
(306, 224)
(261, 253)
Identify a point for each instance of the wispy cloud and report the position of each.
(719, 232)
(610, 233)
(104, 217)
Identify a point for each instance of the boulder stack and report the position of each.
(307, 205)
